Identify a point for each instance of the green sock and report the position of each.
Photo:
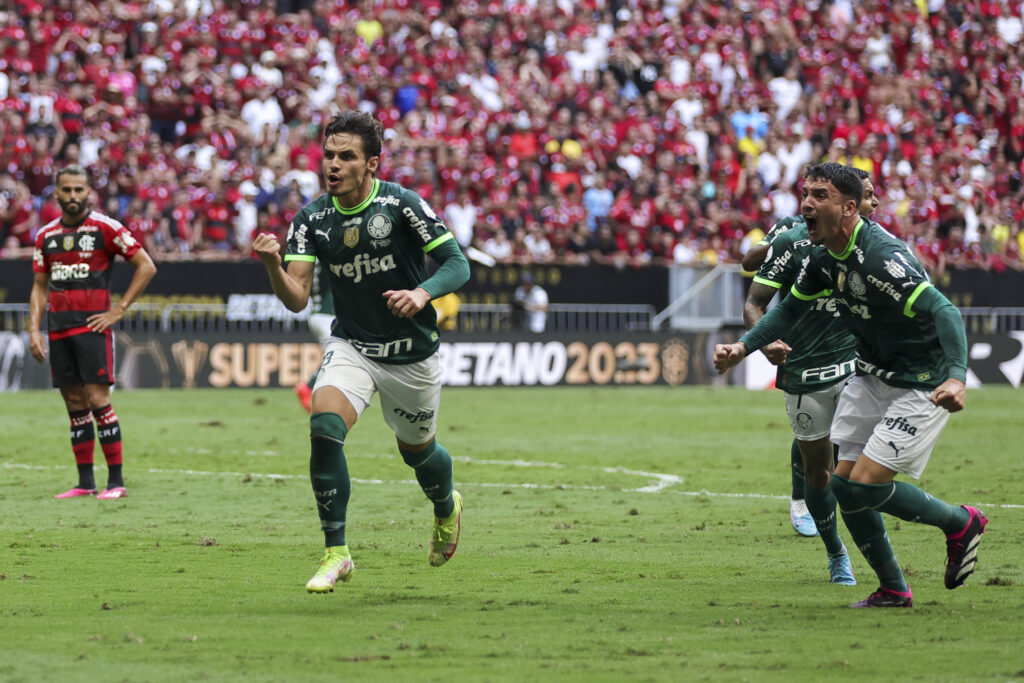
(328, 473)
(796, 462)
(312, 380)
(822, 506)
(910, 503)
(868, 531)
(433, 468)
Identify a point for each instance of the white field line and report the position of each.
(661, 484)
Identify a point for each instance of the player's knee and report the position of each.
(871, 495)
(417, 458)
(844, 496)
(327, 426)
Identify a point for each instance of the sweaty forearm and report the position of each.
(289, 290)
(774, 324)
(37, 307)
(145, 269)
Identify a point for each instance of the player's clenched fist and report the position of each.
(729, 355)
(950, 395)
(267, 248)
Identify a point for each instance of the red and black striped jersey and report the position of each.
(78, 261)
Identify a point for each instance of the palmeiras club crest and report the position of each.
(379, 226)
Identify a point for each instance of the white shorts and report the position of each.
(810, 415)
(410, 394)
(320, 326)
(897, 428)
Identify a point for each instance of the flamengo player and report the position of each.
(72, 270)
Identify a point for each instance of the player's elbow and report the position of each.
(295, 305)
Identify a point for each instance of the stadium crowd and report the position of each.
(628, 132)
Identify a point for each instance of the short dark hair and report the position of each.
(71, 169)
(861, 173)
(362, 124)
(843, 178)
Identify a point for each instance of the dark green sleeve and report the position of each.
(775, 323)
(452, 271)
(949, 325)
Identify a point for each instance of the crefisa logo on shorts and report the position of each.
(900, 424)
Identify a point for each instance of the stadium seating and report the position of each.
(543, 132)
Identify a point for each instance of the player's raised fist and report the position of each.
(267, 248)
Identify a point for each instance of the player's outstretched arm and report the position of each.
(292, 287)
(729, 355)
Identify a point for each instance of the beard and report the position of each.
(72, 207)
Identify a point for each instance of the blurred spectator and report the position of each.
(693, 119)
(529, 305)
(597, 201)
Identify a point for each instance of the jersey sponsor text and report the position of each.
(364, 265)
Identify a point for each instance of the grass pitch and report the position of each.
(610, 534)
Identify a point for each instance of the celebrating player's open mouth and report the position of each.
(812, 226)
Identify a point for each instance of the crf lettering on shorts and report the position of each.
(77, 271)
(900, 424)
(382, 349)
(413, 418)
(364, 265)
(828, 372)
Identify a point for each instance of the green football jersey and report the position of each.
(781, 226)
(367, 250)
(824, 351)
(876, 281)
(320, 292)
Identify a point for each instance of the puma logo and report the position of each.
(897, 450)
(324, 233)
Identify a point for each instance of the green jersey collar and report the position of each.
(853, 240)
(362, 205)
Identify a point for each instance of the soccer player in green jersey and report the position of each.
(911, 371)
(815, 359)
(372, 236)
(320, 321)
